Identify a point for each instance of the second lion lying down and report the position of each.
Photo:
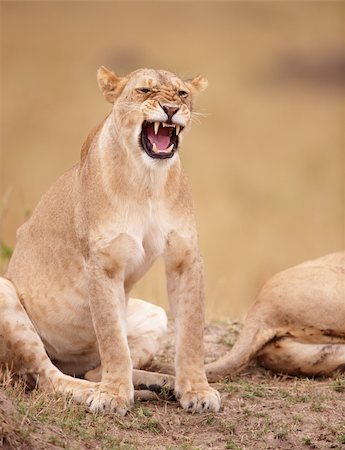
(296, 324)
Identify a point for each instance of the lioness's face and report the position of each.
(152, 108)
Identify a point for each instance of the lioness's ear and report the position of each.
(197, 84)
(110, 84)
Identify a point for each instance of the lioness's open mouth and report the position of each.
(160, 139)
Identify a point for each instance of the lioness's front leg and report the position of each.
(184, 269)
(108, 305)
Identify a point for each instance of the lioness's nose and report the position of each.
(170, 110)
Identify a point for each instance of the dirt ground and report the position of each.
(260, 410)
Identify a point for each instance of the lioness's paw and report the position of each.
(82, 395)
(102, 401)
(201, 400)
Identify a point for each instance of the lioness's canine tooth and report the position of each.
(178, 128)
(156, 127)
(171, 147)
(154, 148)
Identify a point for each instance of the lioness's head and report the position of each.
(152, 108)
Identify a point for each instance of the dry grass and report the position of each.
(260, 410)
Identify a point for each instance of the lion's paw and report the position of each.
(153, 381)
(201, 400)
(103, 401)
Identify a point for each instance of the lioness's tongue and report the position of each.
(161, 139)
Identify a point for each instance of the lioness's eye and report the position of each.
(144, 90)
(183, 93)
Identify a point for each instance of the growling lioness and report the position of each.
(65, 296)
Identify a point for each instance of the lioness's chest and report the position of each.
(146, 227)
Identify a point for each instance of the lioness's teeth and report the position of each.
(164, 124)
(171, 147)
(178, 128)
(154, 148)
(156, 127)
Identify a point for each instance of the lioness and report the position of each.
(98, 229)
(296, 324)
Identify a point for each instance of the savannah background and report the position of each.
(265, 160)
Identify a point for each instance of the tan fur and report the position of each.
(296, 324)
(93, 235)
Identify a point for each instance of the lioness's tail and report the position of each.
(250, 341)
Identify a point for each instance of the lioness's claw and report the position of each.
(101, 401)
(207, 399)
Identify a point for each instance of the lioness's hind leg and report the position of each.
(295, 358)
(23, 351)
(20, 346)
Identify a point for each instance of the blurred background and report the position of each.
(266, 158)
